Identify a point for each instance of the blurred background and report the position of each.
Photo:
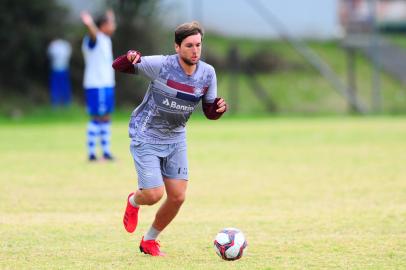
(272, 57)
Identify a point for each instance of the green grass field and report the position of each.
(309, 193)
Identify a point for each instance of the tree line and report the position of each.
(27, 27)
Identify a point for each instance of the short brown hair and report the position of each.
(187, 29)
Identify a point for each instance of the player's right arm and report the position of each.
(91, 26)
(147, 66)
(125, 63)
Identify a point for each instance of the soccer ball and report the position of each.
(230, 244)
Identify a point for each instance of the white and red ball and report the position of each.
(230, 244)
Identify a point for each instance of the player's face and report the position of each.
(190, 49)
(109, 28)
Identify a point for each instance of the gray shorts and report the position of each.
(155, 161)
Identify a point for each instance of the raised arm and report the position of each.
(91, 26)
(125, 63)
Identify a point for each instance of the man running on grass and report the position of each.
(157, 126)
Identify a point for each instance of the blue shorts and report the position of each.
(60, 88)
(153, 162)
(100, 101)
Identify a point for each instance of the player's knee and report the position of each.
(154, 197)
(105, 118)
(177, 199)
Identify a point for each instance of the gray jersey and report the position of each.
(171, 98)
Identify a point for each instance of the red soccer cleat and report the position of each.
(150, 247)
(130, 218)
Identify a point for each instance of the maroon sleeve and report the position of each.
(122, 64)
(209, 110)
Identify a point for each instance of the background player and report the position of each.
(157, 126)
(59, 53)
(99, 81)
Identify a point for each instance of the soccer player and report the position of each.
(59, 52)
(157, 127)
(99, 81)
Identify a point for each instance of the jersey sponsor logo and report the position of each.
(144, 124)
(174, 105)
(166, 102)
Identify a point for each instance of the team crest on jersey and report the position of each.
(199, 91)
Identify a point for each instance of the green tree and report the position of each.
(138, 28)
(26, 27)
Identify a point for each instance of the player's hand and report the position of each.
(133, 56)
(222, 106)
(86, 18)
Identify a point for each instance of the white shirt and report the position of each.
(59, 52)
(98, 60)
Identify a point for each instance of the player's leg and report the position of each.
(106, 107)
(93, 130)
(175, 172)
(150, 182)
(175, 191)
(66, 91)
(135, 200)
(93, 126)
(174, 169)
(148, 196)
(105, 137)
(55, 88)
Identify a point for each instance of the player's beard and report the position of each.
(190, 62)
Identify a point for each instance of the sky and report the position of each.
(303, 18)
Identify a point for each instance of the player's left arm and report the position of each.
(215, 110)
(213, 107)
